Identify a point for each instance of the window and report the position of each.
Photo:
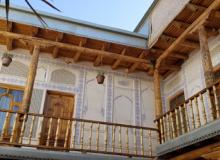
(10, 99)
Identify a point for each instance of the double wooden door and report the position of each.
(54, 131)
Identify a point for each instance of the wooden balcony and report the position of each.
(38, 131)
(198, 111)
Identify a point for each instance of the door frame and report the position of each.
(67, 94)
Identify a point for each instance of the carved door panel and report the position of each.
(54, 130)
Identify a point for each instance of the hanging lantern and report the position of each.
(100, 77)
(6, 59)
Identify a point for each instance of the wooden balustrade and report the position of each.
(197, 111)
(55, 133)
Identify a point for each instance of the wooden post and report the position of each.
(30, 79)
(206, 58)
(158, 101)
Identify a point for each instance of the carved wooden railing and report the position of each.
(39, 131)
(197, 111)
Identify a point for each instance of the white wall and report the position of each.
(163, 13)
(122, 98)
(190, 78)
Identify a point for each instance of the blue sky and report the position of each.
(123, 14)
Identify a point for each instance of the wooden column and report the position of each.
(206, 57)
(157, 92)
(30, 79)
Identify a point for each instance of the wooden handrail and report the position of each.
(81, 120)
(187, 100)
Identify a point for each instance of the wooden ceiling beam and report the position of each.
(34, 33)
(59, 38)
(183, 25)
(170, 67)
(135, 65)
(49, 43)
(9, 41)
(78, 53)
(118, 61)
(215, 14)
(192, 28)
(177, 55)
(98, 59)
(186, 43)
(180, 56)
(195, 7)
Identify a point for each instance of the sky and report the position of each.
(123, 14)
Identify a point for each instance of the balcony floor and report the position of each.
(204, 133)
(33, 154)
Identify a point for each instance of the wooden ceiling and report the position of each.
(75, 47)
(117, 56)
(193, 10)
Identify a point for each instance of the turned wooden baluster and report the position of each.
(57, 132)
(178, 127)
(186, 117)
(135, 140)
(203, 108)
(192, 114)
(90, 137)
(82, 135)
(74, 133)
(113, 139)
(165, 127)
(120, 139)
(159, 133)
(210, 105)
(198, 122)
(22, 129)
(69, 123)
(127, 140)
(106, 137)
(216, 102)
(142, 141)
(150, 143)
(49, 131)
(168, 127)
(182, 122)
(14, 128)
(97, 137)
(31, 129)
(162, 130)
(4, 128)
(40, 129)
(172, 124)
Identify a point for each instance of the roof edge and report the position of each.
(77, 21)
(146, 15)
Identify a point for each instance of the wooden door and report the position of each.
(58, 106)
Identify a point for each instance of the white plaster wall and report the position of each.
(124, 99)
(94, 101)
(123, 110)
(190, 78)
(147, 106)
(163, 13)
